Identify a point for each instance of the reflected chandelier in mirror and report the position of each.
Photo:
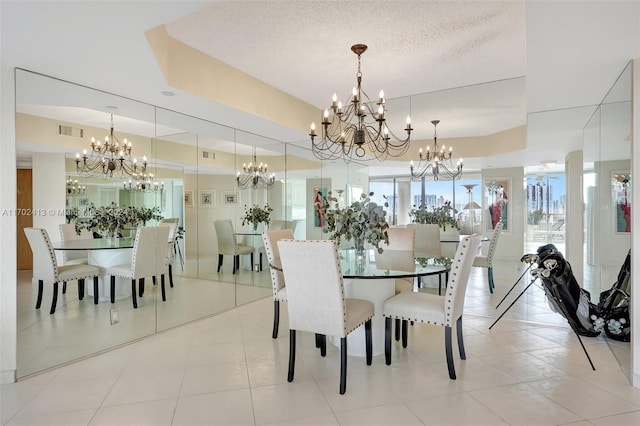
(109, 158)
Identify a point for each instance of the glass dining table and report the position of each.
(103, 252)
(365, 279)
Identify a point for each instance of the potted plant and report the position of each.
(363, 221)
(108, 221)
(147, 213)
(442, 216)
(256, 215)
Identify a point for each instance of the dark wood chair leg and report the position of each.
(292, 355)
(397, 329)
(170, 276)
(236, 263)
(343, 365)
(95, 290)
(449, 352)
(439, 284)
(164, 294)
(133, 294)
(368, 341)
(260, 262)
(317, 340)
(251, 255)
(460, 339)
(220, 257)
(276, 318)
(64, 287)
(81, 289)
(490, 278)
(54, 299)
(387, 340)
(141, 287)
(40, 288)
(154, 280)
(113, 289)
(404, 333)
(323, 345)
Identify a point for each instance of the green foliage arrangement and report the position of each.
(109, 221)
(363, 221)
(146, 214)
(442, 216)
(257, 215)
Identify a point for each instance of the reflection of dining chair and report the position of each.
(316, 302)
(436, 310)
(227, 244)
(270, 239)
(171, 247)
(487, 261)
(399, 255)
(46, 269)
(148, 260)
(73, 257)
(427, 240)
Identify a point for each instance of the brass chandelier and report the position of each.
(143, 183)
(109, 158)
(436, 163)
(359, 128)
(74, 188)
(255, 176)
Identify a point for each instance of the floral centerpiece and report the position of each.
(442, 216)
(256, 215)
(146, 214)
(108, 221)
(71, 214)
(363, 221)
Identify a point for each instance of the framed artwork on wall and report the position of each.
(207, 198)
(188, 198)
(496, 192)
(83, 202)
(230, 198)
(621, 201)
(319, 198)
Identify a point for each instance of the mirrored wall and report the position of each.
(198, 170)
(607, 195)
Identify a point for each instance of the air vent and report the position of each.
(209, 155)
(74, 132)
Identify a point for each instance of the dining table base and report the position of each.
(105, 259)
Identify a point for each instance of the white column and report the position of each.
(635, 227)
(8, 294)
(574, 217)
(404, 202)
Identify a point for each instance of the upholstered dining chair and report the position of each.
(399, 255)
(433, 309)
(227, 244)
(46, 269)
(270, 239)
(73, 257)
(171, 249)
(148, 260)
(487, 261)
(428, 245)
(316, 302)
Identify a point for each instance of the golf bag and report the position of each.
(614, 306)
(564, 294)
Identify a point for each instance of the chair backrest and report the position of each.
(459, 278)
(45, 266)
(315, 290)
(399, 254)
(227, 243)
(494, 241)
(149, 251)
(270, 239)
(68, 233)
(173, 227)
(427, 240)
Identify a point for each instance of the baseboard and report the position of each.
(7, 376)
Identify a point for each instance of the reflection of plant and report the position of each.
(363, 220)
(71, 214)
(145, 213)
(441, 216)
(108, 221)
(256, 215)
(445, 261)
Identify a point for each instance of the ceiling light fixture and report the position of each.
(73, 188)
(436, 164)
(109, 158)
(143, 183)
(346, 131)
(254, 176)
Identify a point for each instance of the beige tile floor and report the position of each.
(227, 369)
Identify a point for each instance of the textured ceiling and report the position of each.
(303, 47)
